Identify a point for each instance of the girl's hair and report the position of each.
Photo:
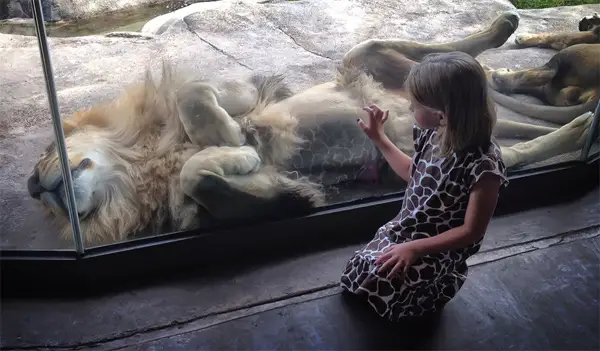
(455, 84)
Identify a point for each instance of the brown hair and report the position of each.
(455, 84)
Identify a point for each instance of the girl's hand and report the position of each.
(400, 257)
(377, 118)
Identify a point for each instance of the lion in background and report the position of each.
(179, 154)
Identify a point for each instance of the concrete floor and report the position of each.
(534, 285)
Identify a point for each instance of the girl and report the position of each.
(416, 263)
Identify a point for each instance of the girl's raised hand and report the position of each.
(377, 118)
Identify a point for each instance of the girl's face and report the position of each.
(425, 117)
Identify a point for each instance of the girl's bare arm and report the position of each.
(400, 162)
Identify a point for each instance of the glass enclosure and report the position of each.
(195, 115)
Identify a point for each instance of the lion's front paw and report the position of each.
(525, 39)
(236, 160)
(496, 77)
(247, 161)
(500, 79)
(502, 71)
(223, 161)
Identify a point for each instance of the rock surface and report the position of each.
(56, 10)
(222, 38)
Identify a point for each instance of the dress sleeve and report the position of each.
(419, 135)
(489, 163)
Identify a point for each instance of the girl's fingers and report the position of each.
(397, 268)
(387, 264)
(372, 114)
(404, 272)
(376, 115)
(361, 124)
(375, 108)
(382, 258)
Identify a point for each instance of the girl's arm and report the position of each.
(482, 204)
(400, 162)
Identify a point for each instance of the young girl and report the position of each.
(415, 264)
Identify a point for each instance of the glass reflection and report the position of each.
(55, 192)
(213, 136)
(591, 148)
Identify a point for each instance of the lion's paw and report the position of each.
(224, 161)
(495, 77)
(502, 71)
(238, 160)
(575, 131)
(503, 27)
(589, 22)
(499, 79)
(512, 17)
(524, 39)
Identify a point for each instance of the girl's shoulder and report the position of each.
(483, 161)
(421, 136)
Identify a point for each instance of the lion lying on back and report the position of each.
(571, 77)
(179, 154)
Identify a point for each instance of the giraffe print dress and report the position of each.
(434, 202)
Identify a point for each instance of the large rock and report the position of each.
(55, 10)
(304, 40)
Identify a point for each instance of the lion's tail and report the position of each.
(553, 114)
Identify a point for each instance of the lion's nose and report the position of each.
(33, 185)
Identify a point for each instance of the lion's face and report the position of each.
(90, 169)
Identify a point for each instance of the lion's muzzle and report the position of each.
(34, 187)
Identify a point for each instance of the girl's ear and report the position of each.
(442, 118)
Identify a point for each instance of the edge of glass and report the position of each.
(80, 250)
(40, 28)
(592, 134)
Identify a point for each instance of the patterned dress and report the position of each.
(435, 201)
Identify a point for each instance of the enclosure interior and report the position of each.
(90, 66)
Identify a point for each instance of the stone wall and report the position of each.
(56, 10)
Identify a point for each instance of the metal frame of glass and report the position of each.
(83, 270)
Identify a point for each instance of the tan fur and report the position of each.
(137, 170)
(571, 78)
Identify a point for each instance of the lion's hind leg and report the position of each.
(231, 184)
(558, 41)
(525, 81)
(389, 60)
(565, 139)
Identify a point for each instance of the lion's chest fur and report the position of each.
(160, 197)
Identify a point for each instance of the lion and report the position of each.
(178, 154)
(571, 77)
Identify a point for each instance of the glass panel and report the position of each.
(50, 182)
(591, 148)
(213, 138)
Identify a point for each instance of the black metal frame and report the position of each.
(143, 261)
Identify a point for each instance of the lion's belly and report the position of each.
(336, 149)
